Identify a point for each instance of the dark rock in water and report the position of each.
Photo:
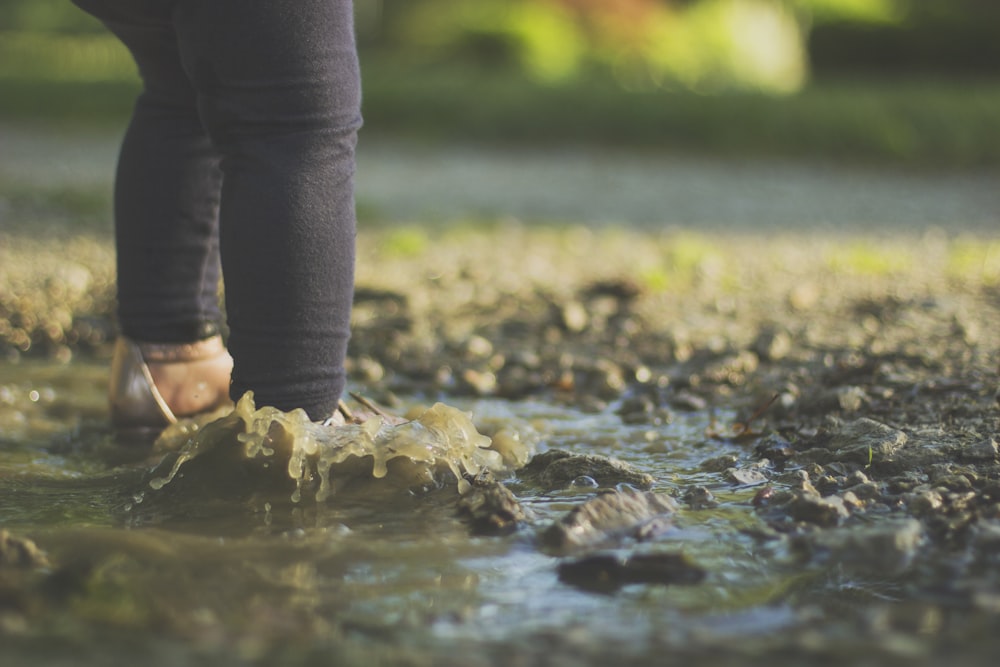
(775, 449)
(609, 572)
(20, 552)
(642, 409)
(719, 463)
(557, 468)
(700, 497)
(608, 517)
(491, 508)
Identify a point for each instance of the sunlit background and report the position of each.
(912, 80)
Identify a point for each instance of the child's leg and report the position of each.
(170, 361)
(278, 88)
(167, 189)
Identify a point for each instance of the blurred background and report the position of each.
(911, 81)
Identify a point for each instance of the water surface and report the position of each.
(384, 564)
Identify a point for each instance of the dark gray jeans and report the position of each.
(242, 141)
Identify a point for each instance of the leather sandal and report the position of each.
(155, 384)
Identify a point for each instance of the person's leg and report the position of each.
(170, 361)
(167, 189)
(278, 89)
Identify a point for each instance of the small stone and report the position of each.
(825, 512)
(827, 484)
(851, 399)
(477, 347)
(482, 383)
(556, 469)
(957, 483)
(803, 296)
(491, 508)
(773, 345)
(866, 490)
(866, 441)
(603, 379)
(925, 502)
(719, 463)
(775, 448)
(643, 410)
(745, 476)
(607, 517)
(764, 497)
(984, 450)
(20, 552)
(685, 400)
(880, 550)
(851, 500)
(574, 316)
(856, 477)
(699, 497)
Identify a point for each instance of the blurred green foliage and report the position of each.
(701, 45)
(912, 80)
(642, 44)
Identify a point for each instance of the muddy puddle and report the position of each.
(229, 560)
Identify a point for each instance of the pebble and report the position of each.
(984, 450)
(556, 469)
(491, 509)
(20, 552)
(866, 441)
(811, 508)
(607, 517)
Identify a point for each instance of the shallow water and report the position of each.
(230, 566)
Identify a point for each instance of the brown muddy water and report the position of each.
(226, 568)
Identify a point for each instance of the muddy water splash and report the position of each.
(441, 443)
